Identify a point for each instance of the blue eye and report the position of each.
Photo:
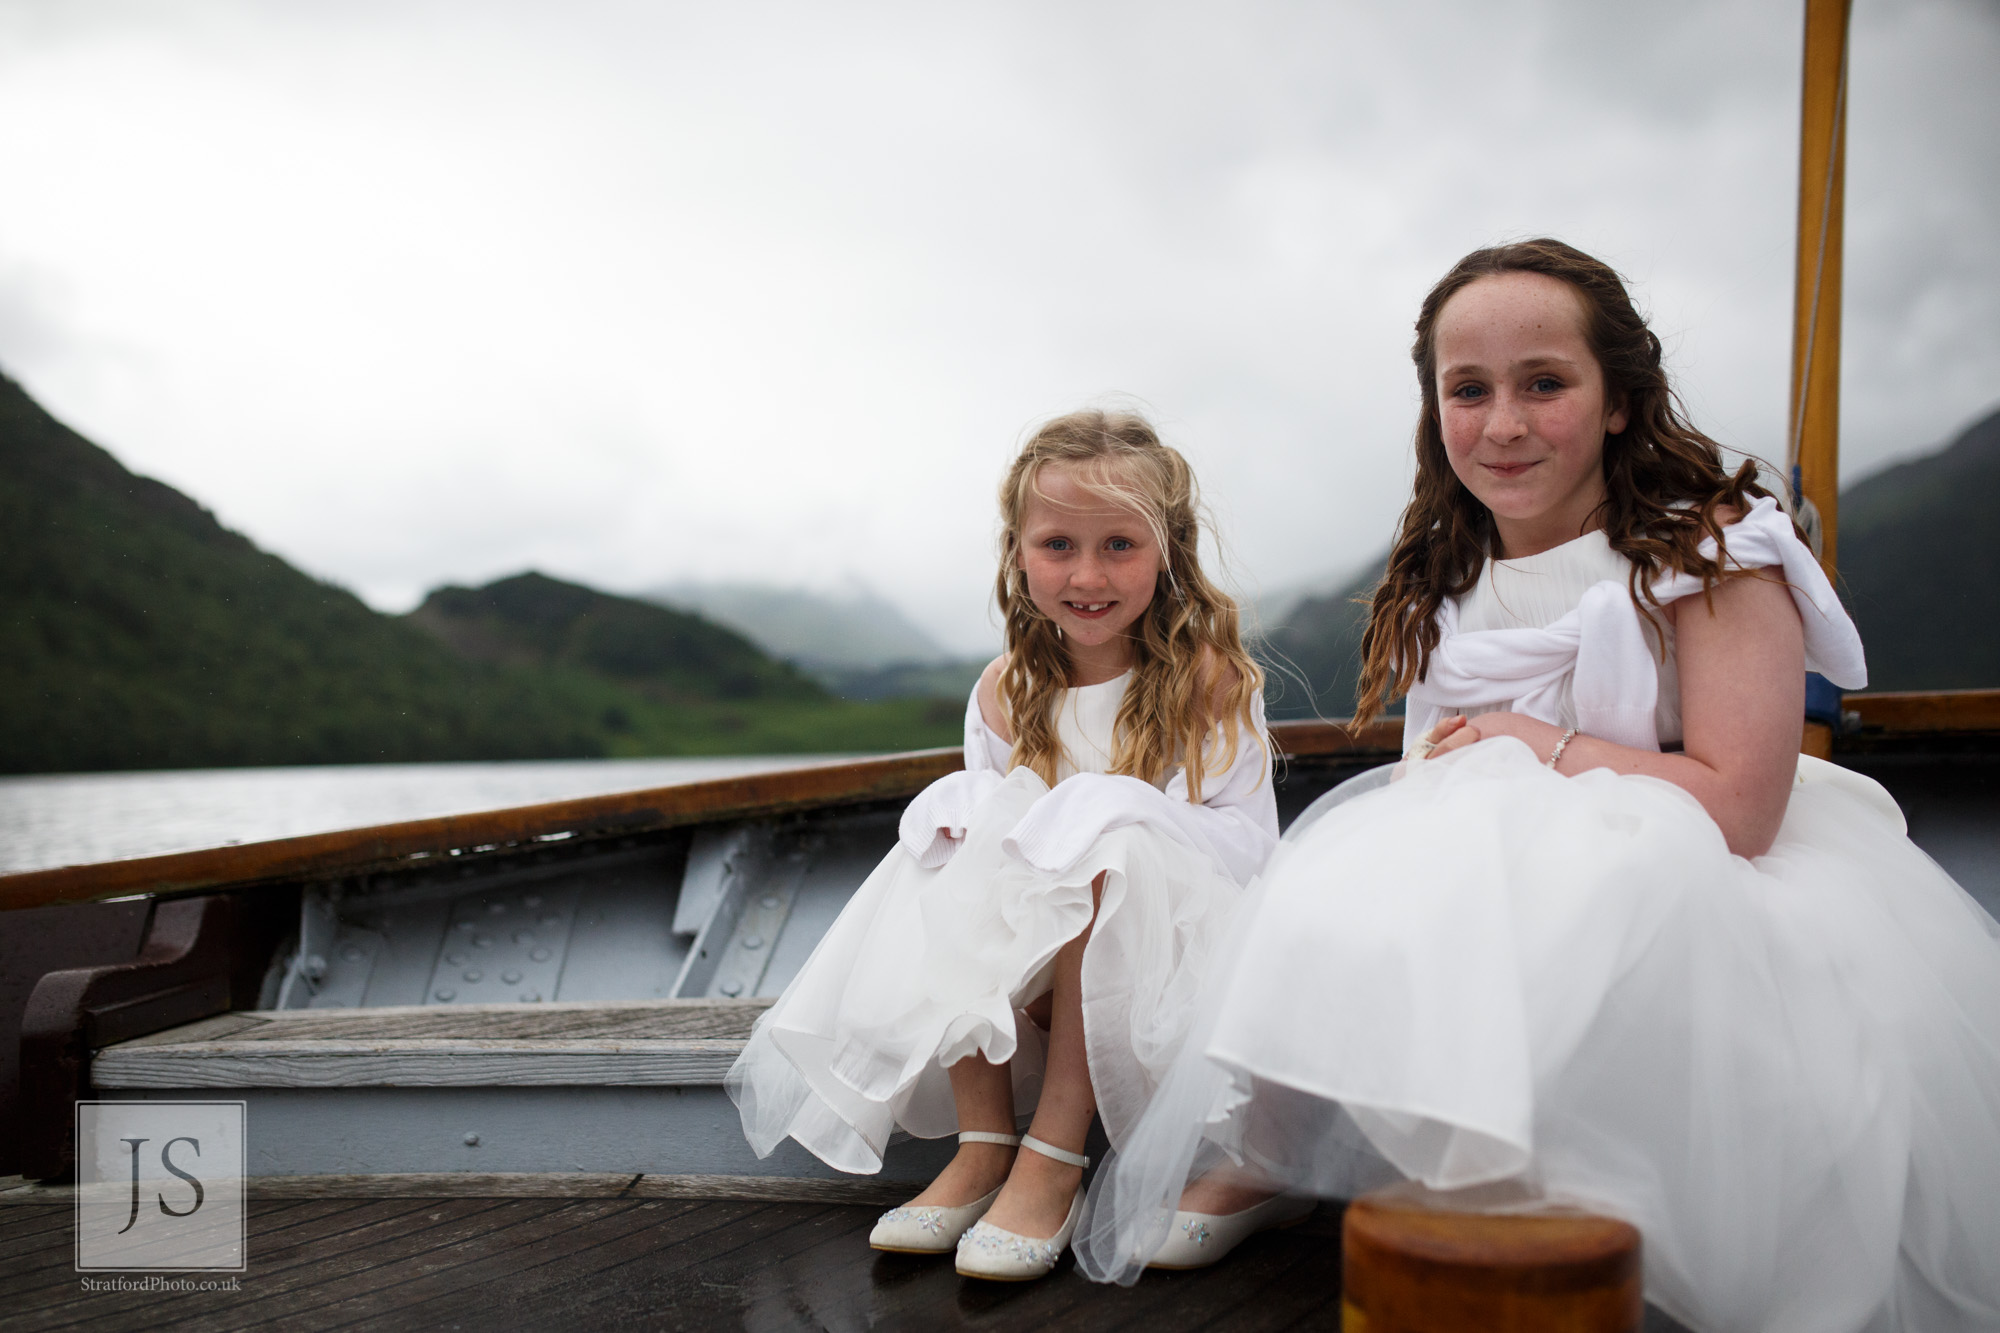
(1120, 543)
(1546, 384)
(1057, 543)
(1468, 391)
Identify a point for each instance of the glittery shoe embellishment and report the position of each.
(927, 1219)
(992, 1240)
(1197, 1231)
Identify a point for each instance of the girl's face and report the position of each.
(1091, 567)
(1523, 407)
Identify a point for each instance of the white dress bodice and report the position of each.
(1087, 727)
(1537, 590)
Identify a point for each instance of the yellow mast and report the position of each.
(1814, 443)
(1814, 428)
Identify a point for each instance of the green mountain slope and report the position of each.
(668, 655)
(138, 632)
(1919, 570)
(665, 681)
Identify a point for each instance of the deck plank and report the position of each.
(59, 1219)
(314, 1254)
(27, 1240)
(568, 1259)
(281, 1238)
(309, 1264)
(655, 1263)
(513, 1237)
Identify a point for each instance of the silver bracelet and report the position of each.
(1555, 755)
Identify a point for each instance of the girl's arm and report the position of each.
(1742, 673)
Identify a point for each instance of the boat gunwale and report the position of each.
(456, 839)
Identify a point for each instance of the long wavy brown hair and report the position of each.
(1664, 480)
(1187, 645)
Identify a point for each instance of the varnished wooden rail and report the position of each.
(1936, 711)
(359, 851)
(410, 842)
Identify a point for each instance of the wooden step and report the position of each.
(649, 1043)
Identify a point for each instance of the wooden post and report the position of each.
(1815, 402)
(1417, 1262)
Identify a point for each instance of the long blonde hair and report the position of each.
(1185, 644)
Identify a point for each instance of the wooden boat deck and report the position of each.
(635, 1262)
(631, 1262)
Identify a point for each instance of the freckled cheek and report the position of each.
(1573, 430)
(1044, 579)
(1458, 446)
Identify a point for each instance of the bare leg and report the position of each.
(1225, 1190)
(984, 1094)
(1039, 1189)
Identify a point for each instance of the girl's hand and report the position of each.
(1541, 737)
(1455, 733)
(1433, 741)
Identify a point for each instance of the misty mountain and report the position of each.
(1312, 656)
(847, 631)
(854, 643)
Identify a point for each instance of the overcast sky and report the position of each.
(630, 293)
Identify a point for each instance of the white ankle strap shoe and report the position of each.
(930, 1228)
(1200, 1239)
(1001, 1256)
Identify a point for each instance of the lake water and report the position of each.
(71, 819)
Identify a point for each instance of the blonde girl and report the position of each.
(1034, 944)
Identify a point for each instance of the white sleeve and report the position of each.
(1236, 822)
(983, 749)
(933, 824)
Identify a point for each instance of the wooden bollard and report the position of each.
(1414, 1261)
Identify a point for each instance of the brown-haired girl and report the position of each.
(1036, 941)
(1609, 938)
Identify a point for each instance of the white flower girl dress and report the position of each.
(959, 926)
(1785, 1071)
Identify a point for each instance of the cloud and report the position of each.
(635, 293)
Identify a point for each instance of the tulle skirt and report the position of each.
(1784, 1071)
(927, 966)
